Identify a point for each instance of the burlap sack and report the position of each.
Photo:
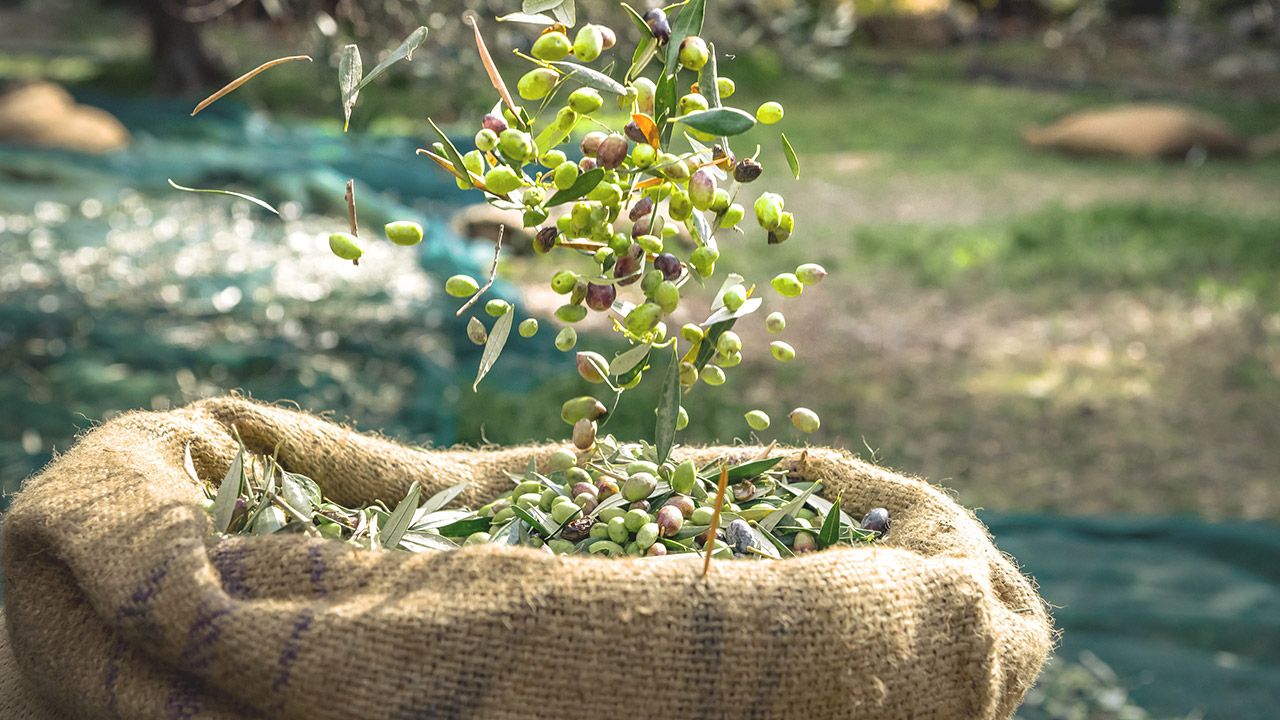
(122, 604)
(1137, 131)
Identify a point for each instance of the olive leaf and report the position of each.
(403, 52)
(539, 6)
(723, 121)
(664, 103)
(463, 528)
(591, 78)
(350, 71)
(772, 545)
(830, 533)
(792, 160)
(699, 228)
(224, 505)
(519, 17)
(554, 134)
(536, 519)
(421, 542)
(793, 506)
(820, 504)
(585, 183)
(748, 470)
(566, 13)
(724, 315)
(668, 409)
(442, 498)
(402, 517)
(232, 193)
(455, 157)
(646, 51)
(629, 359)
(708, 77)
(493, 345)
(188, 465)
(300, 492)
(688, 22)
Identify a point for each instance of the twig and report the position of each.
(351, 207)
(768, 450)
(715, 518)
(234, 84)
(489, 67)
(493, 273)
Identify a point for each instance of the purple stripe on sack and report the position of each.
(203, 637)
(292, 648)
(229, 562)
(182, 703)
(112, 676)
(318, 568)
(140, 601)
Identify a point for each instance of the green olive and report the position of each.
(461, 286)
(551, 46)
(345, 246)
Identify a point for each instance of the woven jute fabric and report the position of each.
(122, 603)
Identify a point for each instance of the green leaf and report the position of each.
(455, 157)
(664, 105)
(301, 492)
(820, 504)
(242, 196)
(554, 133)
(723, 121)
(519, 17)
(350, 72)
(404, 52)
(422, 542)
(638, 20)
(442, 498)
(645, 52)
(493, 346)
(224, 504)
(769, 538)
(629, 359)
(585, 183)
(707, 77)
(536, 519)
(790, 507)
(668, 408)
(591, 78)
(565, 13)
(792, 160)
(539, 6)
(748, 470)
(463, 528)
(398, 523)
(688, 22)
(830, 532)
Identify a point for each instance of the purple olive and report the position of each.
(612, 151)
(545, 240)
(633, 131)
(494, 123)
(747, 170)
(642, 208)
(669, 265)
(600, 297)
(877, 521)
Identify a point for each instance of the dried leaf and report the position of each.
(232, 193)
(235, 84)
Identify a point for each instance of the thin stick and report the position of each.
(715, 518)
(489, 67)
(235, 84)
(351, 207)
(493, 273)
(768, 450)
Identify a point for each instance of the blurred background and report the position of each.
(1052, 227)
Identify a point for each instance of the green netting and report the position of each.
(1186, 612)
(119, 292)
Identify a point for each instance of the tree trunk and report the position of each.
(182, 64)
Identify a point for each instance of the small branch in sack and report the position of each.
(715, 518)
(493, 274)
